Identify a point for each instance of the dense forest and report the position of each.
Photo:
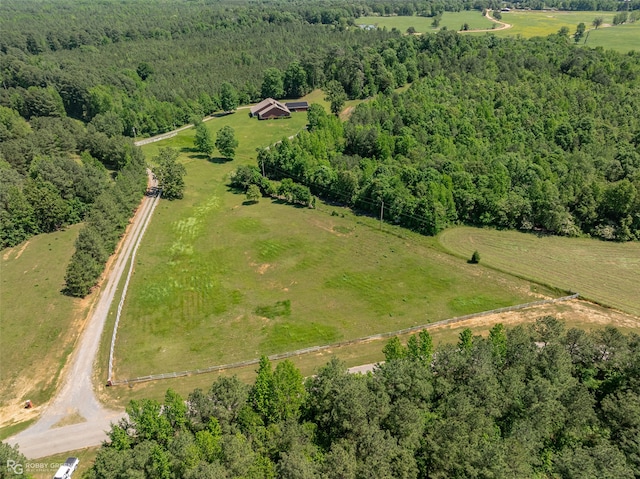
(154, 65)
(531, 134)
(534, 134)
(535, 401)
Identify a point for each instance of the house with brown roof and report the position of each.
(270, 108)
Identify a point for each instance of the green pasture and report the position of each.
(36, 319)
(622, 38)
(218, 280)
(526, 24)
(540, 24)
(451, 20)
(604, 272)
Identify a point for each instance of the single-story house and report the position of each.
(297, 105)
(270, 108)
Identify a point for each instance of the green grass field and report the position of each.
(622, 38)
(37, 320)
(540, 24)
(605, 272)
(451, 20)
(218, 281)
(526, 24)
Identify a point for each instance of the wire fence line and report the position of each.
(312, 349)
(146, 220)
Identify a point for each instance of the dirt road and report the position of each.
(75, 419)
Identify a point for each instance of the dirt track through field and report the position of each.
(77, 398)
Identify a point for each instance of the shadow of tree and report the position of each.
(219, 160)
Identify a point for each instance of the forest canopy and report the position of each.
(535, 401)
(527, 134)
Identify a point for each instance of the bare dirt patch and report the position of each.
(262, 269)
(346, 113)
(24, 246)
(576, 313)
(74, 417)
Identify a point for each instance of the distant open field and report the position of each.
(605, 272)
(622, 38)
(451, 20)
(540, 24)
(526, 24)
(39, 325)
(218, 281)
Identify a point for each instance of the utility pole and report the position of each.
(262, 162)
(381, 213)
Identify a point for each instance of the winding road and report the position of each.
(76, 400)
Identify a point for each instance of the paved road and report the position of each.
(76, 395)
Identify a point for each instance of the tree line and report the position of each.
(532, 401)
(104, 225)
(52, 169)
(528, 134)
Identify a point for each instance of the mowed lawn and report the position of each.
(605, 272)
(451, 20)
(218, 280)
(36, 320)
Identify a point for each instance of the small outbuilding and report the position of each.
(297, 105)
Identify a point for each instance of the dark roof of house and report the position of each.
(297, 104)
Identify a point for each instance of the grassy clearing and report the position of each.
(450, 20)
(15, 428)
(540, 24)
(526, 24)
(608, 273)
(218, 281)
(574, 314)
(39, 324)
(622, 38)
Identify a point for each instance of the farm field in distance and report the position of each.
(451, 20)
(542, 23)
(219, 281)
(622, 38)
(605, 272)
(527, 24)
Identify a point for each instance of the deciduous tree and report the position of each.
(170, 173)
(203, 140)
(226, 142)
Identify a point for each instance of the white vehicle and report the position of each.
(65, 471)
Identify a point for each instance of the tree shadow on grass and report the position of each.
(249, 202)
(236, 190)
(220, 160)
(188, 149)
